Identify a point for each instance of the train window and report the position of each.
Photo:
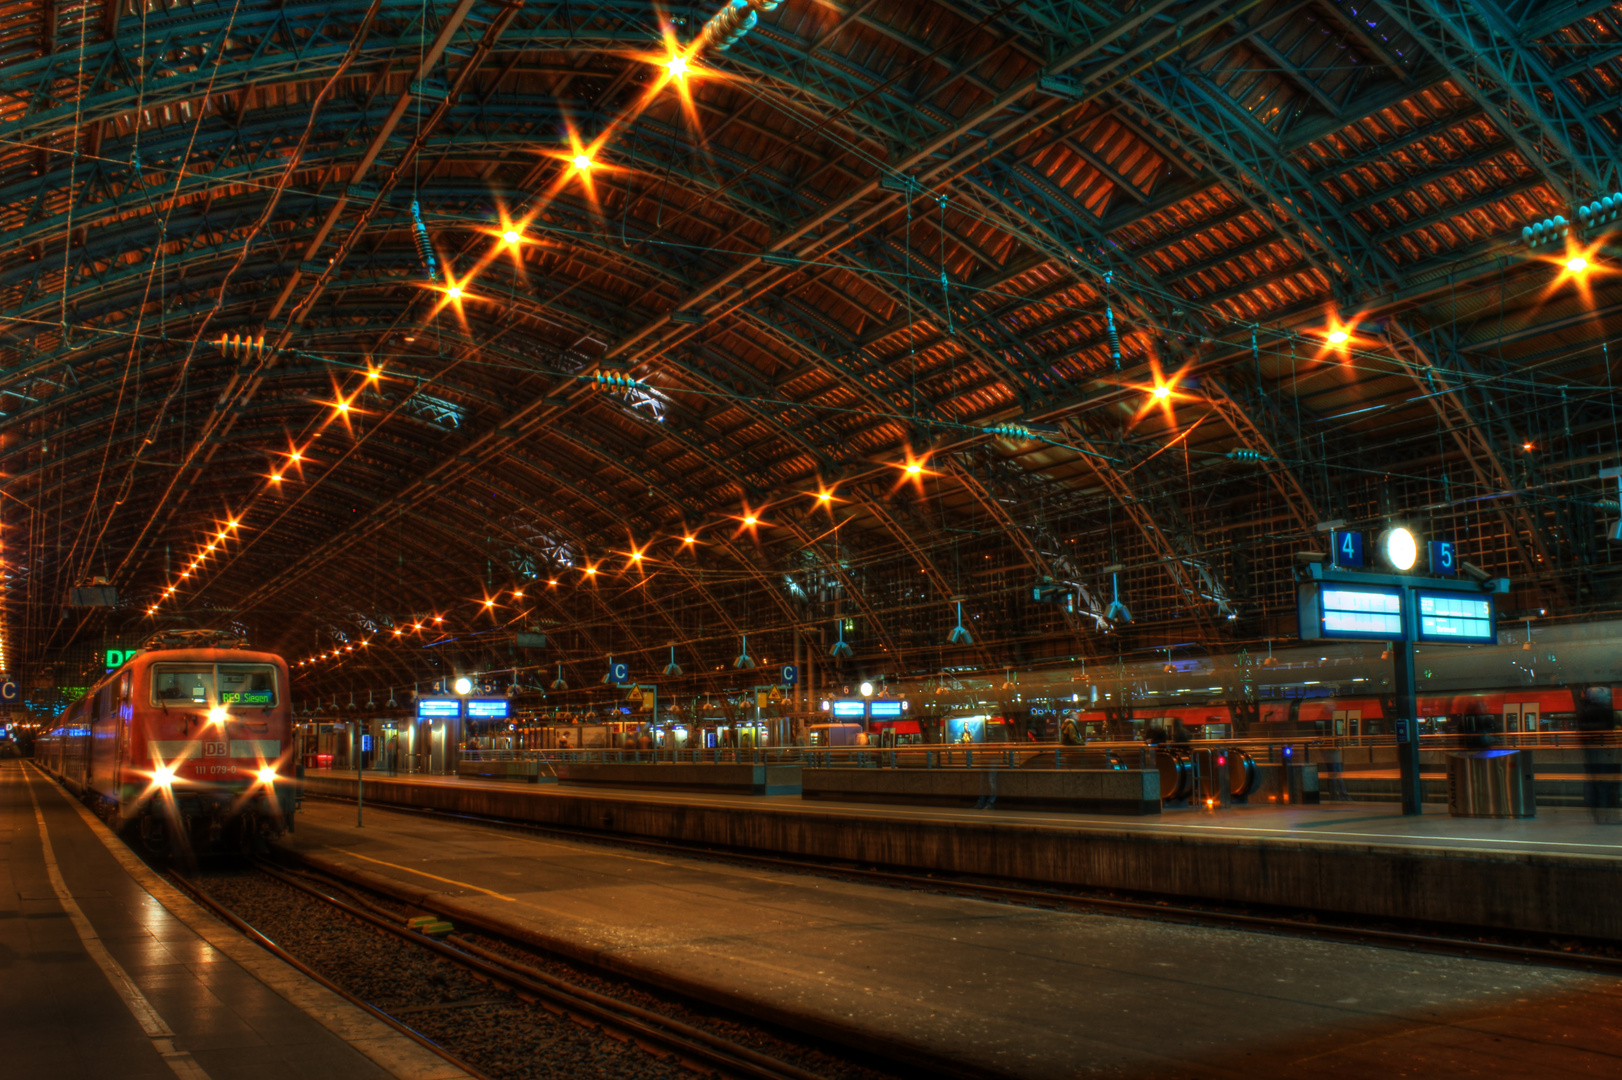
(247, 684)
(191, 684)
(195, 684)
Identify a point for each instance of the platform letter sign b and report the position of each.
(1444, 560)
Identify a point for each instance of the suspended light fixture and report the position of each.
(1008, 680)
(392, 703)
(1270, 661)
(840, 650)
(744, 660)
(558, 683)
(960, 634)
(608, 679)
(673, 668)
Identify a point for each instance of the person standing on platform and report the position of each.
(1602, 764)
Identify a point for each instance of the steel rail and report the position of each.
(230, 918)
(701, 1049)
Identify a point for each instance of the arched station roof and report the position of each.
(1148, 292)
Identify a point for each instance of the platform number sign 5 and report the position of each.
(1444, 559)
(1348, 547)
(216, 749)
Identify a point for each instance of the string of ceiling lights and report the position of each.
(582, 158)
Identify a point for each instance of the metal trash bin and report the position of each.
(1491, 783)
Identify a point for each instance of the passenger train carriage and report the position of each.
(187, 747)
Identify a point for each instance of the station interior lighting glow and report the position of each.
(463, 685)
(267, 776)
(1399, 548)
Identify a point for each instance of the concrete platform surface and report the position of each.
(128, 979)
(1554, 875)
(1022, 992)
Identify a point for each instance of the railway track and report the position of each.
(482, 1005)
(1583, 956)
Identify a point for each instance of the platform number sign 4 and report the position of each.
(1348, 547)
(1444, 559)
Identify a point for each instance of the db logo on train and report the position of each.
(215, 749)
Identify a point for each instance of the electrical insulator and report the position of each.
(732, 22)
(1546, 231)
(1239, 453)
(621, 382)
(425, 247)
(1012, 431)
(242, 346)
(1602, 211)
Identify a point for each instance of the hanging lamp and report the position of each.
(840, 650)
(673, 668)
(392, 703)
(558, 683)
(744, 660)
(960, 634)
(608, 679)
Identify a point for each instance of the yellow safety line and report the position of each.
(424, 873)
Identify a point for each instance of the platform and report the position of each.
(127, 978)
(1551, 874)
(990, 987)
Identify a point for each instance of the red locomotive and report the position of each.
(187, 744)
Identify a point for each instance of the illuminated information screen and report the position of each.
(1460, 617)
(855, 709)
(488, 708)
(438, 708)
(1361, 611)
(886, 709)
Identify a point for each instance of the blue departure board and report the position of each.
(1462, 618)
(488, 708)
(886, 710)
(439, 708)
(1348, 611)
(849, 709)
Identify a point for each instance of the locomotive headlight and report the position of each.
(163, 776)
(267, 776)
(218, 715)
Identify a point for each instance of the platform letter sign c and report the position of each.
(791, 674)
(8, 691)
(1444, 560)
(620, 671)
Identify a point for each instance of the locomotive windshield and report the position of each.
(208, 684)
